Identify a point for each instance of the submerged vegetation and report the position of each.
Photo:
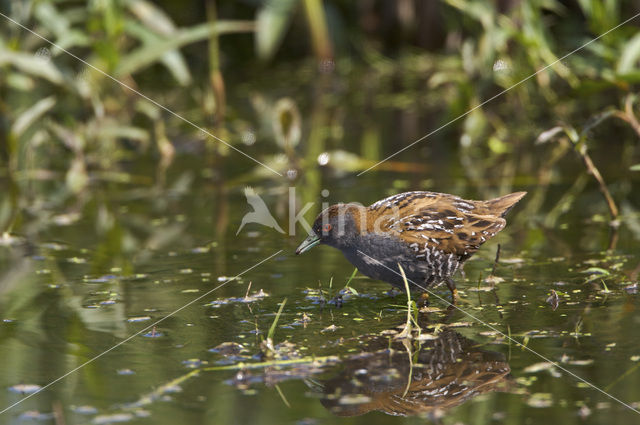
(132, 131)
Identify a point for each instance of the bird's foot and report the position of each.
(423, 300)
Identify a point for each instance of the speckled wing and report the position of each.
(434, 220)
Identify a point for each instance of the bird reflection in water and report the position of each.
(408, 377)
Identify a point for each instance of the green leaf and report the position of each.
(50, 18)
(630, 55)
(150, 53)
(155, 25)
(114, 130)
(596, 270)
(355, 270)
(272, 22)
(32, 65)
(172, 60)
(32, 114)
(152, 16)
(272, 329)
(635, 167)
(59, 24)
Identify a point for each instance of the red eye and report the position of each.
(326, 228)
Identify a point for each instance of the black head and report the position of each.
(337, 226)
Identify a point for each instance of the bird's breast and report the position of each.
(378, 257)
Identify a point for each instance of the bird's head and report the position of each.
(336, 226)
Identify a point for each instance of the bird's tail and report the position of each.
(501, 206)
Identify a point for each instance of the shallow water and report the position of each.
(95, 280)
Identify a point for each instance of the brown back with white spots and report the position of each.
(430, 220)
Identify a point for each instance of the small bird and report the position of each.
(428, 234)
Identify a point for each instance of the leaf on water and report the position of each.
(194, 363)
(493, 279)
(283, 351)
(25, 388)
(427, 309)
(426, 336)
(513, 260)
(481, 288)
(34, 415)
(228, 349)
(460, 325)
(331, 328)
(540, 400)
(585, 362)
(537, 367)
(596, 270)
(114, 418)
(153, 333)
(256, 296)
(76, 260)
(85, 410)
(526, 381)
(201, 250)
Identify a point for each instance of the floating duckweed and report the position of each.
(540, 400)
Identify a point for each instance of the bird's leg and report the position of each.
(452, 287)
